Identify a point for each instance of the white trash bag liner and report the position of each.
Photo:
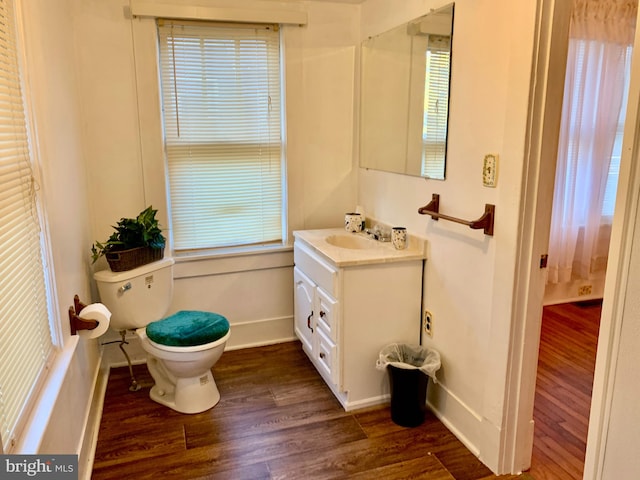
(410, 357)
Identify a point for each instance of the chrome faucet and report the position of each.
(379, 233)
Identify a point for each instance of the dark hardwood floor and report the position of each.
(276, 420)
(563, 392)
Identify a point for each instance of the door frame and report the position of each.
(615, 290)
(545, 112)
(547, 87)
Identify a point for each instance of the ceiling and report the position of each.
(353, 2)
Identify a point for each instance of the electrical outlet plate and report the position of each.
(428, 323)
(584, 290)
(490, 170)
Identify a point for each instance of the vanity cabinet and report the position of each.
(315, 324)
(345, 314)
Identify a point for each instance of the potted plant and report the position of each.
(135, 242)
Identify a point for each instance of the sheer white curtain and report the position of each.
(595, 90)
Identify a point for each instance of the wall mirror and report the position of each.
(404, 104)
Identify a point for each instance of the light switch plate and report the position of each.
(490, 170)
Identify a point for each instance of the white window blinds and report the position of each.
(25, 338)
(436, 105)
(221, 101)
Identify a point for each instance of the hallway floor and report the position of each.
(563, 391)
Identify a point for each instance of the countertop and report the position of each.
(381, 252)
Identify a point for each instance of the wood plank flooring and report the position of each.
(563, 392)
(276, 420)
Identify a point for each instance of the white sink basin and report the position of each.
(351, 241)
(346, 249)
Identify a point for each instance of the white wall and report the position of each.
(320, 114)
(621, 435)
(118, 90)
(469, 278)
(51, 86)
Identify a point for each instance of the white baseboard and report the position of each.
(90, 438)
(366, 402)
(459, 435)
(261, 332)
(477, 433)
(456, 415)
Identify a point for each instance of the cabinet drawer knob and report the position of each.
(309, 322)
(322, 314)
(322, 355)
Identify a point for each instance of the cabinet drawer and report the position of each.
(327, 318)
(326, 358)
(322, 273)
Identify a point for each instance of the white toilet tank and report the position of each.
(139, 296)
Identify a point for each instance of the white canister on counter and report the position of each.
(399, 238)
(353, 222)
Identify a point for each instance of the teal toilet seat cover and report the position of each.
(188, 328)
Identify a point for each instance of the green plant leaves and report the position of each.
(142, 231)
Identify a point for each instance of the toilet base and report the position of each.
(190, 395)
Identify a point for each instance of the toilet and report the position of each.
(181, 348)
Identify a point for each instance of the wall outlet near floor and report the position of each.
(427, 323)
(584, 290)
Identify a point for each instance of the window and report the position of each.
(25, 336)
(436, 105)
(609, 201)
(589, 147)
(589, 60)
(223, 134)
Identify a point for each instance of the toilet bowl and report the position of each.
(182, 375)
(181, 349)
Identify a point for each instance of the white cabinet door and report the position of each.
(304, 302)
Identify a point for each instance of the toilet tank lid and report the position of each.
(107, 276)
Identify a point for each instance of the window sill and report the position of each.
(38, 421)
(232, 260)
(229, 252)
